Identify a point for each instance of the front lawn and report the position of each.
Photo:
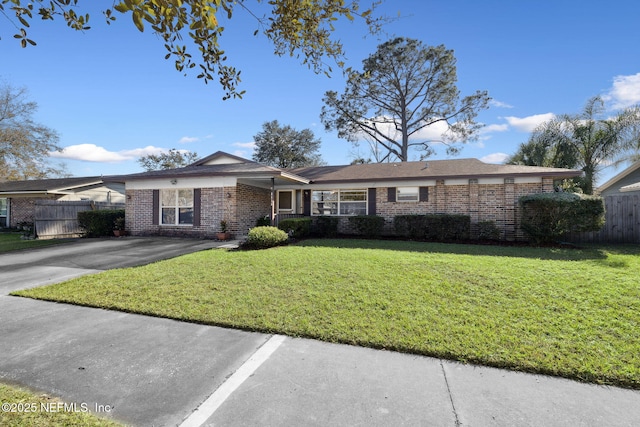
(22, 408)
(12, 241)
(567, 312)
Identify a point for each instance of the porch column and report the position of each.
(273, 199)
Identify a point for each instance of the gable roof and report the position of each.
(432, 169)
(53, 185)
(217, 164)
(619, 177)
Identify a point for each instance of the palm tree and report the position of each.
(587, 141)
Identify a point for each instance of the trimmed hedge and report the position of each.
(263, 221)
(369, 226)
(99, 223)
(546, 217)
(296, 227)
(441, 227)
(265, 237)
(488, 230)
(326, 226)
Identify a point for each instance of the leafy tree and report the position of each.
(285, 147)
(170, 160)
(405, 87)
(299, 28)
(24, 144)
(589, 141)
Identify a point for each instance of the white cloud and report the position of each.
(528, 124)
(245, 150)
(495, 158)
(94, 153)
(494, 128)
(625, 91)
(251, 145)
(499, 104)
(188, 139)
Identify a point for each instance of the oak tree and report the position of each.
(299, 28)
(285, 147)
(24, 144)
(170, 160)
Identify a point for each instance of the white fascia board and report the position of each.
(528, 180)
(360, 185)
(193, 182)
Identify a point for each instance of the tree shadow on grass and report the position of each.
(518, 251)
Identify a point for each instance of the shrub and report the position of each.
(369, 226)
(326, 226)
(547, 217)
(263, 221)
(433, 226)
(296, 227)
(487, 230)
(99, 223)
(265, 237)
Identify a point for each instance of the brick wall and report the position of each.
(482, 202)
(240, 206)
(253, 203)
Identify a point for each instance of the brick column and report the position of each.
(441, 202)
(474, 208)
(547, 185)
(510, 203)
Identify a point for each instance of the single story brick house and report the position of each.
(193, 200)
(18, 198)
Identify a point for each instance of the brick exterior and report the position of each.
(240, 206)
(482, 202)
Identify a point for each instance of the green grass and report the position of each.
(22, 408)
(566, 312)
(11, 241)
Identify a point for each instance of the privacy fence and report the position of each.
(59, 219)
(622, 222)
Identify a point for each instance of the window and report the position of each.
(339, 202)
(407, 194)
(176, 207)
(3, 213)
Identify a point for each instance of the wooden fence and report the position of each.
(622, 222)
(59, 219)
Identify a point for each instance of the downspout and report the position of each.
(273, 200)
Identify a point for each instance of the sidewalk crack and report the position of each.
(453, 406)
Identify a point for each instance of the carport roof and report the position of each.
(54, 185)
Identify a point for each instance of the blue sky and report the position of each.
(113, 97)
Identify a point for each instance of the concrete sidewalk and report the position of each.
(148, 371)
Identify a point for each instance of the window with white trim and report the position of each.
(176, 206)
(407, 194)
(3, 213)
(339, 202)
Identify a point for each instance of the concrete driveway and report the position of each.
(147, 371)
(26, 269)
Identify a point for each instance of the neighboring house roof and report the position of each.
(48, 186)
(617, 180)
(630, 187)
(431, 169)
(217, 164)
